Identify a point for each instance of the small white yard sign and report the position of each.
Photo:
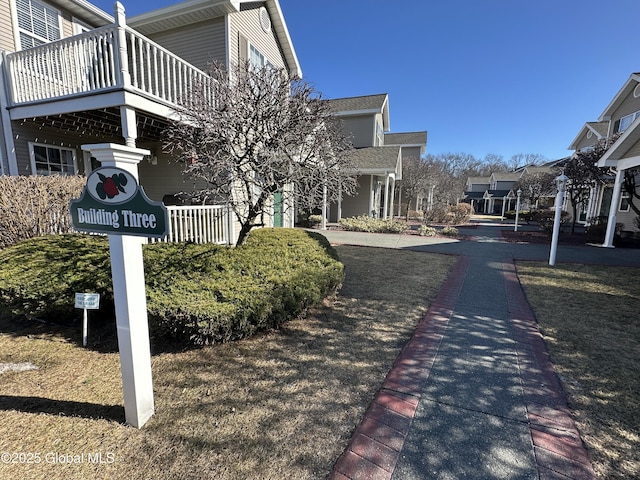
(87, 301)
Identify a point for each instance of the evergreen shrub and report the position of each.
(203, 293)
(365, 223)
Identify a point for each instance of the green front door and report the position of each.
(278, 210)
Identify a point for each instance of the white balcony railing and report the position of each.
(100, 60)
(199, 224)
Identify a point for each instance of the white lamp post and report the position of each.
(561, 184)
(519, 192)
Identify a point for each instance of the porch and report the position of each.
(106, 82)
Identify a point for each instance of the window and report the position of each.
(626, 121)
(37, 23)
(49, 160)
(379, 135)
(256, 59)
(624, 202)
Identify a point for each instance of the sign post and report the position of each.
(87, 301)
(114, 203)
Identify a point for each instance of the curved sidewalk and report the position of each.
(473, 394)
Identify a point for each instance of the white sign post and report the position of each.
(129, 294)
(87, 301)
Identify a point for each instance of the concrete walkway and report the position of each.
(473, 394)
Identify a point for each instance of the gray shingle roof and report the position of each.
(405, 138)
(367, 102)
(376, 158)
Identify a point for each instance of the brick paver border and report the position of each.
(558, 448)
(377, 442)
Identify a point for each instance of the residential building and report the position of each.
(619, 118)
(379, 164)
(73, 74)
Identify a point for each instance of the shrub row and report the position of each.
(427, 231)
(449, 214)
(365, 223)
(31, 206)
(206, 293)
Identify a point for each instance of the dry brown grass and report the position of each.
(280, 405)
(589, 316)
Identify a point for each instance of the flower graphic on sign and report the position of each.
(109, 187)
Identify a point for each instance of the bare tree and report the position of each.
(583, 174)
(415, 179)
(536, 185)
(520, 160)
(256, 133)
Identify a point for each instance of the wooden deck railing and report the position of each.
(107, 58)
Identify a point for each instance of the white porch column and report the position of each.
(372, 198)
(323, 224)
(129, 126)
(392, 198)
(385, 210)
(129, 293)
(123, 57)
(11, 167)
(613, 209)
(339, 203)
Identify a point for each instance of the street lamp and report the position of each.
(519, 192)
(561, 185)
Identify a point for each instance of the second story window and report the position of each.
(626, 121)
(379, 135)
(256, 59)
(37, 23)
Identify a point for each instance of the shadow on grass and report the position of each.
(62, 408)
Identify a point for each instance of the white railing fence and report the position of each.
(100, 60)
(199, 224)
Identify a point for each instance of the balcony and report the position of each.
(112, 60)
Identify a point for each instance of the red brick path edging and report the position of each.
(377, 442)
(558, 448)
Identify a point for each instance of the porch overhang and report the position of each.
(625, 152)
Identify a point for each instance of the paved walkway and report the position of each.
(473, 394)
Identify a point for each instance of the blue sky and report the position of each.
(481, 76)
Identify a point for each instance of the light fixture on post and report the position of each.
(519, 192)
(561, 185)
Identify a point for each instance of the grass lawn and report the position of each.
(280, 405)
(590, 318)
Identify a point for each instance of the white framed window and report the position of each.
(52, 160)
(626, 121)
(624, 202)
(38, 23)
(379, 135)
(256, 59)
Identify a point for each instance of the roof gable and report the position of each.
(378, 160)
(629, 88)
(363, 105)
(195, 11)
(417, 139)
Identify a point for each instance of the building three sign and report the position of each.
(112, 202)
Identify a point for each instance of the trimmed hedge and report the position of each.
(206, 293)
(365, 223)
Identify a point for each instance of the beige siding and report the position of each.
(357, 205)
(7, 40)
(47, 136)
(634, 151)
(410, 152)
(247, 23)
(361, 128)
(629, 106)
(200, 44)
(585, 142)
